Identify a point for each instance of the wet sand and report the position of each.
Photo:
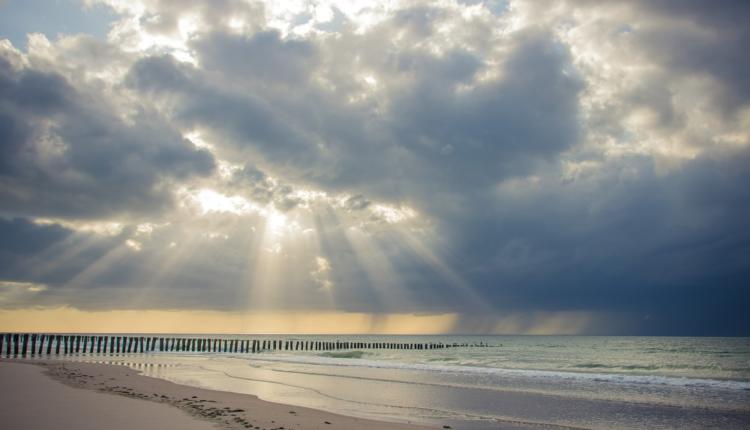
(58, 394)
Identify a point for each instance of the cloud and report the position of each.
(67, 152)
(546, 166)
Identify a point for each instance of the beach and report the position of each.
(61, 394)
(509, 382)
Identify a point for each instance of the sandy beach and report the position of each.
(58, 394)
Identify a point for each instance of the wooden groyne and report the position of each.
(41, 344)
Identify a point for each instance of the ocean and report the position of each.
(592, 382)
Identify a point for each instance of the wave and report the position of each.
(505, 372)
(344, 354)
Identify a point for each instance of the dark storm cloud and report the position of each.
(433, 132)
(246, 118)
(479, 136)
(671, 249)
(65, 153)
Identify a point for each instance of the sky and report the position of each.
(500, 167)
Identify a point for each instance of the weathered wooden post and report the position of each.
(15, 345)
(33, 344)
(25, 338)
(41, 344)
(49, 344)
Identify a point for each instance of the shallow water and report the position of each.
(574, 381)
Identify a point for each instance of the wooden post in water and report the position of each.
(15, 345)
(33, 344)
(41, 344)
(25, 338)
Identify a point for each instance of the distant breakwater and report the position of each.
(40, 344)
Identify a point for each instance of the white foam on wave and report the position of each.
(478, 370)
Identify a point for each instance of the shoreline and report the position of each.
(157, 400)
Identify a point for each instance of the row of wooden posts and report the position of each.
(32, 344)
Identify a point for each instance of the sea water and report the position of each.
(514, 382)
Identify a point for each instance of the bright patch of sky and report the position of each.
(51, 18)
